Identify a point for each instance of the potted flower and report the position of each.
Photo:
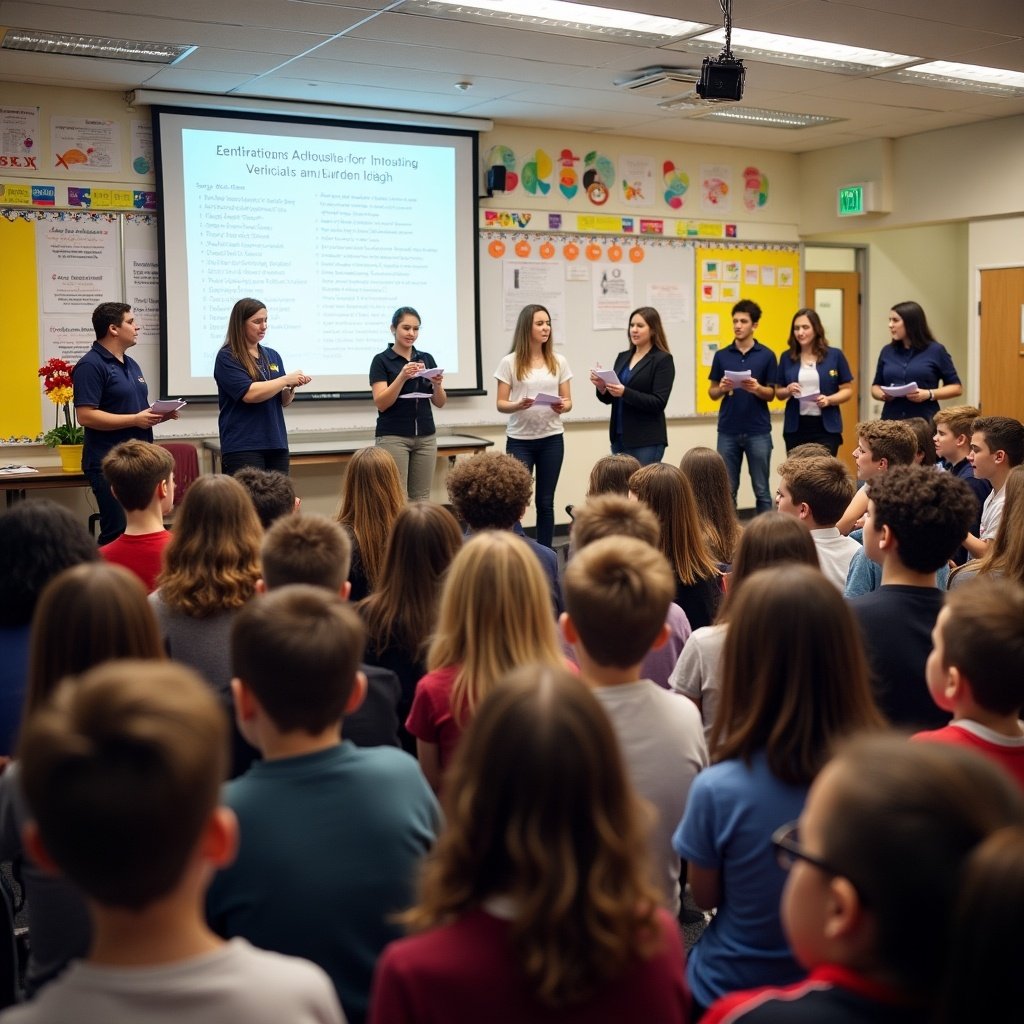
(67, 437)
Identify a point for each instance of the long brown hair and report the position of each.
(371, 499)
(402, 610)
(652, 318)
(709, 481)
(782, 695)
(521, 338)
(667, 492)
(1005, 554)
(560, 832)
(820, 344)
(90, 613)
(235, 341)
(212, 561)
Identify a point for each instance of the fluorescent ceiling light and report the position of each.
(94, 46)
(948, 74)
(811, 53)
(559, 17)
(766, 118)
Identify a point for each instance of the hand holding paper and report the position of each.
(430, 372)
(899, 390)
(167, 406)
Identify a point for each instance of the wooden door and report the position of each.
(835, 297)
(1001, 336)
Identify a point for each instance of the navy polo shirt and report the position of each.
(248, 426)
(407, 417)
(103, 382)
(740, 412)
(900, 365)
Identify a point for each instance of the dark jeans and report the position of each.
(265, 458)
(646, 455)
(758, 449)
(545, 455)
(112, 519)
(810, 431)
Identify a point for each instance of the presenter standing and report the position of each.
(913, 357)
(646, 373)
(535, 435)
(252, 393)
(405, 419)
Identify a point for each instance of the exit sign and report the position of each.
(852, 201)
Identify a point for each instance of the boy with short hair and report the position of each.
(997, 445)
(916, 519)
(272, 493)
(953, 446)
(815, 490)
(976, 671)
(881, 444)
(617, 593)
(141, 477)
(122, 771)
(331, 834)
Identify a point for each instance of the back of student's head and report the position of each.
(38, 539)
(928, 513)
(905, 818)
(610, 515)
(958, 419)
(924, 432)
(122, 769)
(610, 475)
(983, 638)
(306, 548)
(559, 831)
(986, 943)
(495, 614)
(891, 440)
(298, 650)
(794, 674)
(1002, 433)
(705, 469)
(807, 450)
(617, 593)
(133, 469)
(490, 491)
(823, 482)
(272, 493)
(89, 614)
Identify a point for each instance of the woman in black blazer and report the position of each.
(646, 373)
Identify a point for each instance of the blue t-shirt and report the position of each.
(731, 813)
(741, 412)
(103, 382)
(927, 368)
(248, 426)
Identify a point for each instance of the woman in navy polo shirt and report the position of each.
(913, 357)
(405, 423)
(815, 379)
(252, 392)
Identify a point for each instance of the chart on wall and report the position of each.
(769, 275)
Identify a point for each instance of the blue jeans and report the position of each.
(545, 455)
(758, 449)
(645, 455)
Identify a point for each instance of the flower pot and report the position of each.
(70, 457)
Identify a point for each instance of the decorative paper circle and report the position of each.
(636, 254)
(570, 251)
(615, 253)
(597, 193)
(523, 247)
(496, 249)
(593, 252)
(547, 250)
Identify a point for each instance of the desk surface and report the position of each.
(44, 477)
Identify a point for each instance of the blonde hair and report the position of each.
(495, 614)
(371, 499)
(522, 337)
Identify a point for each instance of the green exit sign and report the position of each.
(851, 201)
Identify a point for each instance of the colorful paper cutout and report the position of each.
(676, 184)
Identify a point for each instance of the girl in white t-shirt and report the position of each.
(535, 433)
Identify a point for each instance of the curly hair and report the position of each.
(561, 832)
(212, 561)
(490, 491)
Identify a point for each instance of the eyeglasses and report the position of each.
(788, 849)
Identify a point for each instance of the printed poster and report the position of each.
(19, 137)
(91, 142)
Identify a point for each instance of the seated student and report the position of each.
(122, 771)
(1004, 556)
(712, 493)
(976, 671)
(952, 440)
(315, 550)
(609, 515)
(916, 519)
(537, 905)
(815, 491)
(997, 445)
(610, 475)
(617, 591)
(331, 834)
(925, 434)
(874, 863)
(141, 478)
(881, 444)
(491, 491)
(272, 493)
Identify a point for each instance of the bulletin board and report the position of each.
(767, 274)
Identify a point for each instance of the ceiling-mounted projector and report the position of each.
(721, 78)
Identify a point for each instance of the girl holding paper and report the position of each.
(534, 389)
(644, 375)
(913, 357)
(406, 383)
(815, 379)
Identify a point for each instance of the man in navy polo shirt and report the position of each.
(744, 426)
(112, 403)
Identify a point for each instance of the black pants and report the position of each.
(265, 458)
